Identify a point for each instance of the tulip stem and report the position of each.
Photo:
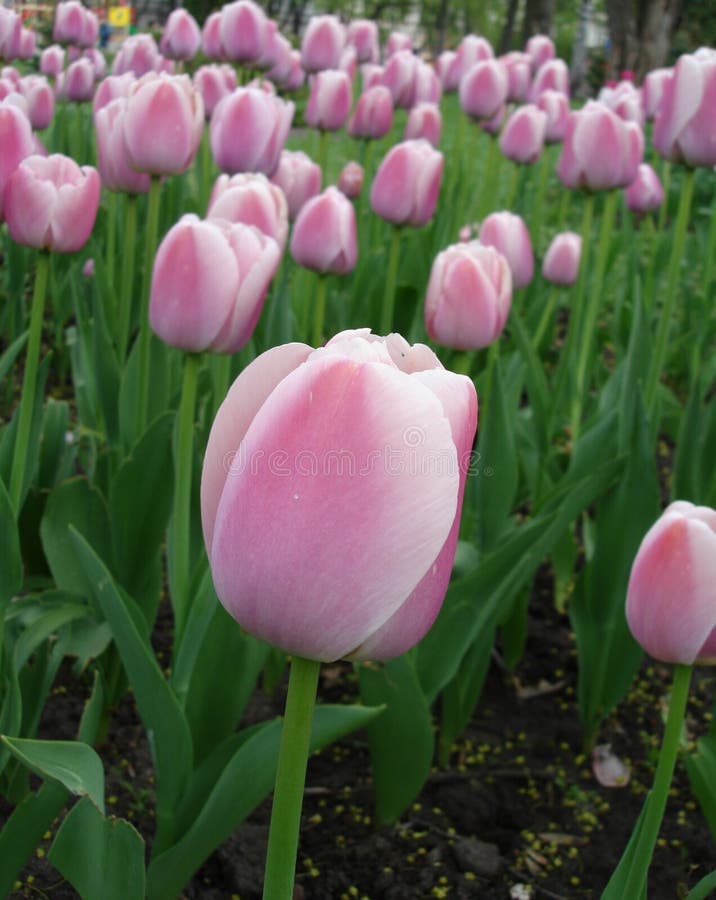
(125, 291)
(29, 381)
(512, 186)
(290, 780)
(111, 235)
(320, 309)
(388, 311)
(220, 368)
(705, 302)
(545, 318)
(181, 555)
(666, 184)
(323, 154)
(667, 312)
(145, 333)
(538, 200)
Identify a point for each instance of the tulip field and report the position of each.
(357, 484)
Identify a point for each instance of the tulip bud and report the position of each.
(211, 45)
(79, 81)
(424, 121)
(671, 604)
(373, 116)
(483, 89)
(299, 177)
(472, 49)
(209, 282)
(17, 143)
(51, 203)
(522, 139)
(446, 68)
(322, 44)
(519, 75)
(469, 296)
(40, 100)
(555, 105)
(69, 22)
(52, 60)
(350, 181)
(329, 101)
(407, 184)
(645, 193)
(244, 31)
(508, 233)
(251, 198)
(358, 425)
(561, 262)
(363, 35)
(324, 234)
(684, 127)
(139, 54)
(399, 77)
(214, 82)
(540, 49)
(10, 34)
(371, 75)
(551, 76)
(652, 90)
(397, 42)
(428, 88)
(181, 38)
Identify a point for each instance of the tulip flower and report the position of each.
(79, 81)
(427, 86)
(555, 105)
(111, 88)
(519, 75)
(329, 100)
(522, 139)
(397, 42)
(211, 45)
(652, 90)
(469, 296)
(561, 262)
(69, 25)
(299, 177)
(52, 60)
(424, 121)
(252, 199)
(472, 49)
(214, 82)
(139, 54)
(181, 38)
(324, 234)
(10, 31)
(508, 233)
(16, 142)
(645, 193)
(363, 35)
(371, 75)
(373, 116)
(483, 89)
(350, 181)
(446, 68)
(115, 170)
(399, 77)
(40, 100)
(684, 127)
(322, 44)
(243, 31)
(540, 49)
(407, 184)
(553, 76)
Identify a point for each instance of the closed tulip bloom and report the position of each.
(69, 22)
(324, 234)
(277, 58)
(671, 599)
(625, 100)
(493, 125)
(10, 28)
(522, 139)
(483, 89)
(329, 101)
(373, 116)
(508, 233)
(209, 283)
(181, 38)
(51, 203)
(399, 77)
(371, 75)
(52, 60)
(40, 100)
(90, 29)
(397, 42)
(428, 88)
(519, 75)
(469, 296)
(551, 76)
(363, 35)
(112, 160)
(296, 77)
(600, 150)
(248, 131)
(99, 63)
(252, 199)
(446, 67)
(685, 126)
(350, 181)
(472, 49)
(211, 45)
(16, 143)
(652, 90)
(645, 193)
(163, 124)
(112, 88)
(540, 49)
(244, 30)
(214, 82)
(322, 44)
(406, 186)
(561, 262)
(27, 44)
(299, 177)
(556, 106)
(348, 63)
(10, 73)
(424, 121)
(286, 560)
(79, 81)
(139, 54)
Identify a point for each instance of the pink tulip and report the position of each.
(483, 89)
(397, 42)
(112, 88)
(209, 283)
(561, 262)
(428, 88)
(551, 76)
(252, 199)
(363, 35)
(40, 100)
(407, 184)
(324, 234)
(52, 60)
(469, 296)
(27, 44)
(90, 29)
(139, 54)
(214, 82)
(349, 63)
(556, 106)
(684, 127)
(399, 77)
(112, 160)
(356, 425)
(493, 125)
(350, 180)
(600, 150)
(519, 75)
(371, 75)
(99, 63)
(16, 144)
(299, 177)
(522, 139)
(624, 100)
(163, 124)
(69, 22)
(248, 130)
(181, 38)
(211, 45)
(329, 101)
(652, 90)
(373, 116)
(424, 121)
(322, 44)
(79, 81)
(472, 49)
(10, 28)
(51, 203)
(296, 76)
(88, 268)
(508, 233)
(540, 49)
(645, 193)
(10, 73)
(446, 68)
(671, 604)
(244, 31)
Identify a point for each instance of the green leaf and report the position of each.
(401, 740)
(701, 767)
(73, 764)
(56, 455)
(56, 609)
(704, 888)
(102, 858)
(11, 354)
(11, 568)
(247, 779)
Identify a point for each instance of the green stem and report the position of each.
(462, 362)
(290, 780)
(220, 368)
(490, 178)
(386, 317)
(652, 243)
(666, 184)
(27, 398)
(322, 154)
(111, 233)
(512, 186)
(125, 290)
(705, 304)
(182, 495)
(206, 164)
(538, 199)
(319, 312)
(145, 333)
(493, 352)
(667, 312)
(545, 318)
(656, 802)
(564, 205)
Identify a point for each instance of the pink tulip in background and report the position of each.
(398, 41)
(555, 105)
(69, 24)
(540, 49)
(508, 233)
(483, 89)
(78, 84)
(329, 101)
(139, 54)
(244, 31)
(427, 87)
(181, 37)
(211, 45)
(16, 143)
(10, 31)
(163, 123)
(561, 261)
(214, 82)
(600, 150)
(362, 34)
(685, 126)
(350, 180)
(52, 60)
(322, 44)
(519, 75)
(472, 49)
(248, 131)
(335, 414)
(652, 90)
(551, 76)
(371, 75)
(373, 115)
(671, 600)
(51, 203)
(522, 139)
(446, 68)
(299, 177)
(469, 296)
(424, 121)
(252, 199)
(209, 283)
(112, 88)
(40, 100)
(324, 234)
(645, 193)
(399, 77)
(406, 186)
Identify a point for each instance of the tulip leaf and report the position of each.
(56, 454)
(704, 888)
(103, 858)
(701, 767)
(245, 781)
(11, 568)
(9, 355)
(401, 740)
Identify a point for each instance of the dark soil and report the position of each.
(518, 805)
